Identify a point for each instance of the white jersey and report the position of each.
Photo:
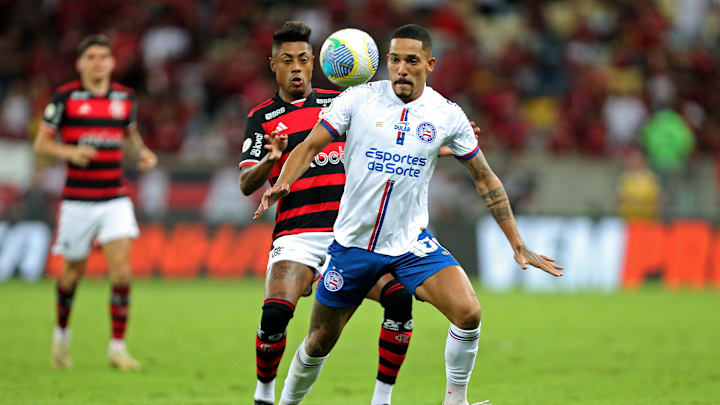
(390, 154)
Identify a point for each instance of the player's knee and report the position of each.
(73, 271)
(397, 301)
(274, 321)
(467, 316)
(318, 343)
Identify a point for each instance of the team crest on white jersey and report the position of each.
(426, 132)
(333, 280)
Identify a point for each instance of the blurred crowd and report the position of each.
(591, 77)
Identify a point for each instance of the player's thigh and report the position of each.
(117, 256)
(288, 280)
(450, 291)
(294, 263)
(326, 325)
(375, 291)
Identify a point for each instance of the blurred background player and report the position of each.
(371, 241)
(93, 117)
(305, 217)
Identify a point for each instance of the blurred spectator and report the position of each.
(668, 141)
(638, 189)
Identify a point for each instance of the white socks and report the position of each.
(116, 346)
(60, 334)
(382, 393)
(304, 371)
(460, 352)
(265, 391)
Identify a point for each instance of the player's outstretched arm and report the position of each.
(77, 155)
(146, 158)
(294, 167)
(253, 177)
(493, 193)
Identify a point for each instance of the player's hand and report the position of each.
(270, 197)
(476, 130)
(147, 160)
(525, 256)
(82, 155)
(276, 144)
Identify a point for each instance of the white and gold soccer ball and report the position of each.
(349, 57)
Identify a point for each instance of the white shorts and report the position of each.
(80, 222)
(308, 248)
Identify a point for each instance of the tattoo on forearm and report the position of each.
(501, 212)
(491, 195)
(496, 202)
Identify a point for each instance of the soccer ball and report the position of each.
(349, 57)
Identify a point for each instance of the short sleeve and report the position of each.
(336, 118)
(252, 147)
(462, 141)
(53, 114)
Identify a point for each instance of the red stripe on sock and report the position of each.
(394, 358)
(388, 371)
(280, 301)
(393, 289)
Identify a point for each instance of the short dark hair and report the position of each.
(90, 40)
(417, 32)
(291, 31)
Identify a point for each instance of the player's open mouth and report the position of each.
(296, 81)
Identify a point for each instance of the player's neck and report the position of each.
(97, 87)
(288, 98)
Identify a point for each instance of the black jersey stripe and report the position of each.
(88, 183)
(309, 196)
(94, 122)
(314, 220)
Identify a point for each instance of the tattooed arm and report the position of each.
(493, 193)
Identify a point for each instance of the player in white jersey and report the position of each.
(394, 131)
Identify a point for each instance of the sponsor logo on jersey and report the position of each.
(409, 325)
(402, 128)
(80, 95)
(395, 163)
(333, 280)
(274, 114)
(281, 127)
(333, 157)
(426, 132)
(323, 101)
(100, 140)
(257, 145)
(118, 95)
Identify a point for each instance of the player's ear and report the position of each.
(431, 64)
(112, 63)
(271, 60)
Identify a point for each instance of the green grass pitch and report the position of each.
(196, 342)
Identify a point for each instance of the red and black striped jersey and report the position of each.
(83, 118)
(314, 198)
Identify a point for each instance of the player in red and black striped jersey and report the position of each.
(305, 217)
(93, 118)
